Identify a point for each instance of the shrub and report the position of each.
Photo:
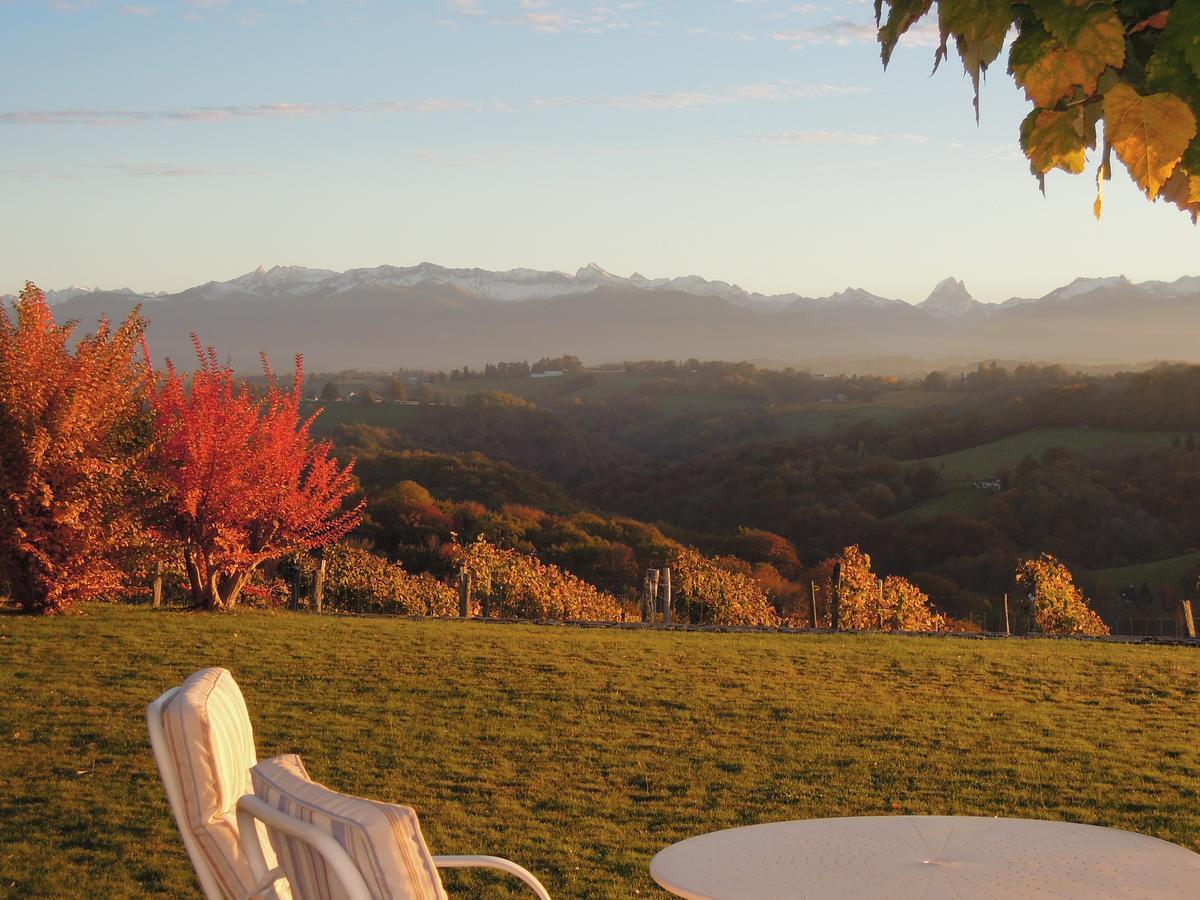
(1059, 607)
(357, 580)
(521, 586)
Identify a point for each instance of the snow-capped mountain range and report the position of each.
(428, 315)
(949, 299)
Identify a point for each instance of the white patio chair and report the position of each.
(204, 746)
(333, 846)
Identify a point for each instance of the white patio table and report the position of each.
(927, 857)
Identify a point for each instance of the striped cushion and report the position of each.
(382, 839)
(211, 745)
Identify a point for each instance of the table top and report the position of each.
(926, 857)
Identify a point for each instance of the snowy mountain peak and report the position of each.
(860, 297)
(1081, 286)
(592, 270)
(949, 299)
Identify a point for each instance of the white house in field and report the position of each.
(549, 373)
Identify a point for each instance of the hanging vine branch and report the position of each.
(1133, 65)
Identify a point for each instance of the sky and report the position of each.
(159, 144)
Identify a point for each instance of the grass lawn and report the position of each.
(985, 460)
(580, 753)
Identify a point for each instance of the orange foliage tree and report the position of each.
(890, 604)
(247, 482)
(69, 450)
(1059, 607)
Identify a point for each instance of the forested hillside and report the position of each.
(949, 481)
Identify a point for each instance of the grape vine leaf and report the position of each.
(1148, 133)
(901, 15)
(979, 28)
(1132, 64)
(1051, 71)
(1056, 139)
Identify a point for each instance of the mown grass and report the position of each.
(579, 752)
(986, 460)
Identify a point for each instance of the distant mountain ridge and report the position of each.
(949, 298)
(437, 317)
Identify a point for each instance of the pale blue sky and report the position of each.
(157, 144)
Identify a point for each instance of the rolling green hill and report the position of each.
(985, 460)
(1177, 573)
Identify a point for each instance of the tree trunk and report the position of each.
(231, 588)
(25, 588)
(195, 580)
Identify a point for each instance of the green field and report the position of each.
(986, 460)
(576, 752)
(889, 406)
(387, 414)
(968, 501)
(1175, 573)
(792, 418)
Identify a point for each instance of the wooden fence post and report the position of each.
(1189, 621)
(812, 596)
(646, 597)
(666, 599)
(158, 576)
(318, 586)
(653, 574)
(836, 598)
(464, 593)
(487, 605)
(1007, 629)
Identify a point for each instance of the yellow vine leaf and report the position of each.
(1054, 70)
(1183, 189)
(1054, 139)
(1149, 134)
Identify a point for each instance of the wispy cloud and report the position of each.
(685, 100)
(125, 170)
(840, 137)
(648, 100)
(138, 10)
(153, 170)
(110, 117)
(842, 32)
(555, 16)
(467, 7)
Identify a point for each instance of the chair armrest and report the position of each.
(267, 883)
(493, 862)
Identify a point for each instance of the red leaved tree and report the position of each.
(70, 446)
(247, 482)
